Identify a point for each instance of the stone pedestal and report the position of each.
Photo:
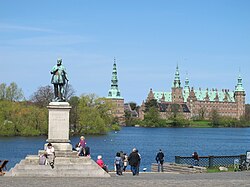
(58, 130)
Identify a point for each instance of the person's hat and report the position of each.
(99, 157)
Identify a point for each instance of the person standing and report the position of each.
(160, 160)
(118, 164)
(82, 144)
(133, 160)
(138, 165)
(196, 158)
(125, 162)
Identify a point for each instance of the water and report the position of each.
(173, 142)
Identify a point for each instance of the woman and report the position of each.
(101, 163)
(117, 163)
(81, 145)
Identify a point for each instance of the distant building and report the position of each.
(114, 95)
(198, 103)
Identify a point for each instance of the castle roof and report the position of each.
(200, 95)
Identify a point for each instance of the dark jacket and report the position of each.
(159, 157)
(133, 159)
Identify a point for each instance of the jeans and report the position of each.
(160, 166)
(134, 170)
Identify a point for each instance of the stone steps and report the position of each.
(64, 166)
(178, 168)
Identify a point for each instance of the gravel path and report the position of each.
(144, 179)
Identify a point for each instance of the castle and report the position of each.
(114, 95)
(198, 103)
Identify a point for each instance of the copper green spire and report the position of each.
(114, 92)
(239, 87)
(177, 80)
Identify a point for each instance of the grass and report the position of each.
(200, 124)
(216, 169)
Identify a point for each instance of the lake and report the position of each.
(173, 142)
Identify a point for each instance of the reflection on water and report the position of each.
(173, 141)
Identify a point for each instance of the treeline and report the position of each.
(20, 117)
(152, 118)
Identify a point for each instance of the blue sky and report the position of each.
(210, 40)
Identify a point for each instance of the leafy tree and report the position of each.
(11, 92)
(3, 91)
(152, 119)
(94, 115)
(215, 118)
(74, 118)
(151, 103)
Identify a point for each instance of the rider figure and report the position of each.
(59, 79)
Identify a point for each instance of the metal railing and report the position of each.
(211, 161)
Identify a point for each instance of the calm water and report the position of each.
(173, 141)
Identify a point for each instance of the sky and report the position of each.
(208, 39)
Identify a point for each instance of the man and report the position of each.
(59, 79)
(134, 160)
(160, 159)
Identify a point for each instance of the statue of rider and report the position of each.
(59, 78)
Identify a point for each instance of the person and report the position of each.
(125, 162)
(82, 145)
(118, 163)
(59, 78)
(138, 165)
(160, 159)
(133, 160)
(101, 163)
(50, 152)
(196, 159)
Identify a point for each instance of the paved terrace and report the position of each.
(144, 179)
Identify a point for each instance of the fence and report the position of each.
(211, 161)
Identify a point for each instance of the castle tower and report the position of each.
(114, 95)
(239, 96)
(177, 96)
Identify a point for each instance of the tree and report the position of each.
(43, 96)
(215, 118)
(11, 92)
(3, 91)
(175, 109)
(151, 103)
(69, 91)
(94, 115)
(74, 118)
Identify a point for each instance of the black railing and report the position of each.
(211, 161)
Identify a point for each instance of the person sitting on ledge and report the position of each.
(50, 151)
(101, 163)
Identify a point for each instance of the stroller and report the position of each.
(245, 165)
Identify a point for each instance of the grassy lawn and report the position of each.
(216, 169)
(200, 124)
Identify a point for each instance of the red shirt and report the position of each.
(100, 163)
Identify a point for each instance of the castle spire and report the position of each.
(239, 87)
(177, 80)
(114, 92)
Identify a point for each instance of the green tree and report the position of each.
(94, 115)
(151, 103)
(152, 119)
(13, 93)
(215, 118)
(3, 91)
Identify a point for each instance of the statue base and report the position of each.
(58, 131)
